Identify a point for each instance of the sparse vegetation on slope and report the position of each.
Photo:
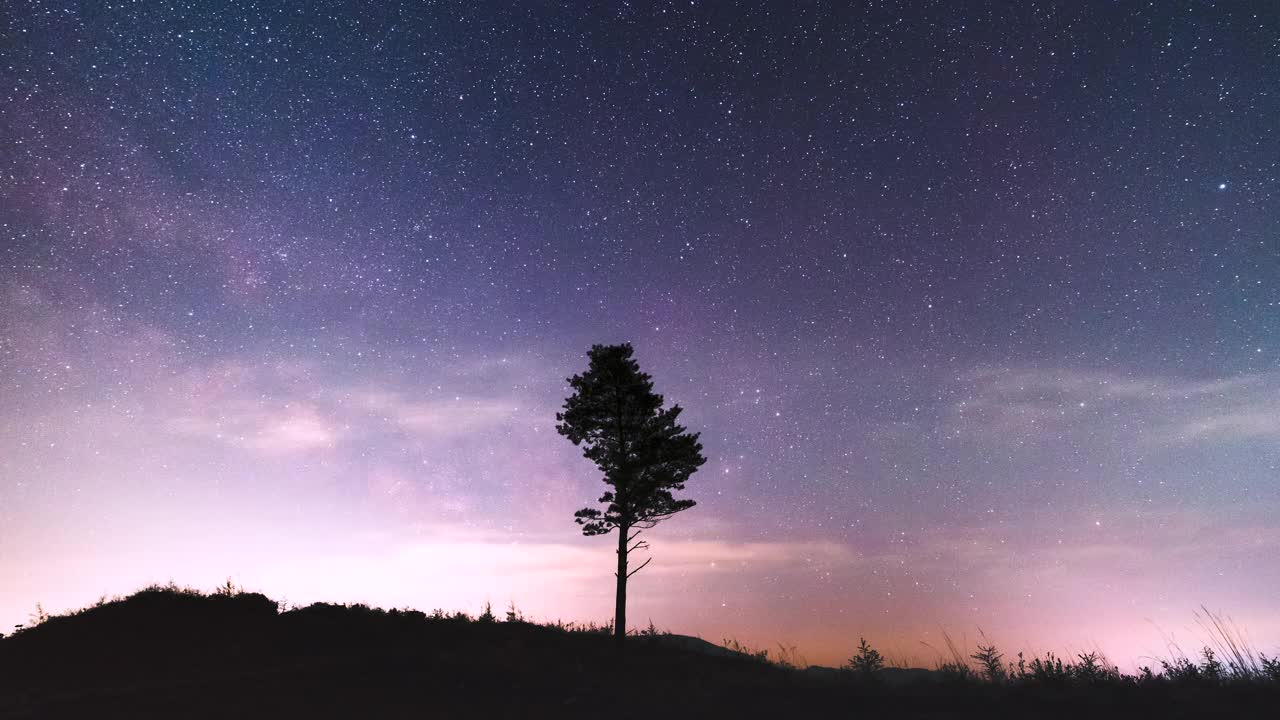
(177, 652)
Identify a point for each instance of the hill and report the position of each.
(167, 652)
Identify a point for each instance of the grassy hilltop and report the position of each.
(171, 652)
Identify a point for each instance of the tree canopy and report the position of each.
(644, 454)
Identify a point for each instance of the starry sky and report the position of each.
(974, 305)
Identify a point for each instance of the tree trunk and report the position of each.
(620, 605)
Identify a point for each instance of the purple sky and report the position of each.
(976, 312)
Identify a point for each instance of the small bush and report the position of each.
(867, 661)
(39, 616)
(752, 653)
(1180, 670)
(513, 614)
(1018, 671)
(955, 672)
(1048, 671)
(1271, 668)
(1092, 669)
(1211, 667)
(990, 662)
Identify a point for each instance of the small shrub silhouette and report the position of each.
(513, 614)
(955, 672)
(1180, 670)
(751, 653)
(1211, 668)
(990, 662)
(1048, 671)
(1018, 670)
(1092, 669)
(1271, 669)
(38, 617)
(868, 661)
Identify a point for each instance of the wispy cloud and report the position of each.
(265, 427)
(438, 417)
(1262, 420)
(1160, 410)
(283, 407)
(298, 428)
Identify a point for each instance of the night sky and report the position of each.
(977, 309)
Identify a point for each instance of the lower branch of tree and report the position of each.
(633, 572)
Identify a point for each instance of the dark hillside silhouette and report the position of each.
(175, 653)
(644, 454)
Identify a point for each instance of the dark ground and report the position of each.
(173, 654)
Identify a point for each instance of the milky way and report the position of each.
(975, 307)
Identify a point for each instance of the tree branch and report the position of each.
(633, 572)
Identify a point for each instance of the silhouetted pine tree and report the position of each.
(644, 455)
